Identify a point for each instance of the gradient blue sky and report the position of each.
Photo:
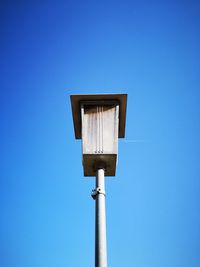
(148, 49)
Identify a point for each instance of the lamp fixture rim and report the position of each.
(78, 100)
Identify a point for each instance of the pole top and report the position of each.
(77, 100)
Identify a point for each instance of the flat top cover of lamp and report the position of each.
(76, 101)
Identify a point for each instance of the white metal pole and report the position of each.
(100, 220)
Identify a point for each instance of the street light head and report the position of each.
(99, 120)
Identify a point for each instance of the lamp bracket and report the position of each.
(96, 192)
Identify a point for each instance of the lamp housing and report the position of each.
(99, 120)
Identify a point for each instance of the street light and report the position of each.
(99, 120)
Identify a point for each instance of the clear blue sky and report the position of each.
(148, 49)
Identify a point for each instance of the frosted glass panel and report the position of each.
(100, 129)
